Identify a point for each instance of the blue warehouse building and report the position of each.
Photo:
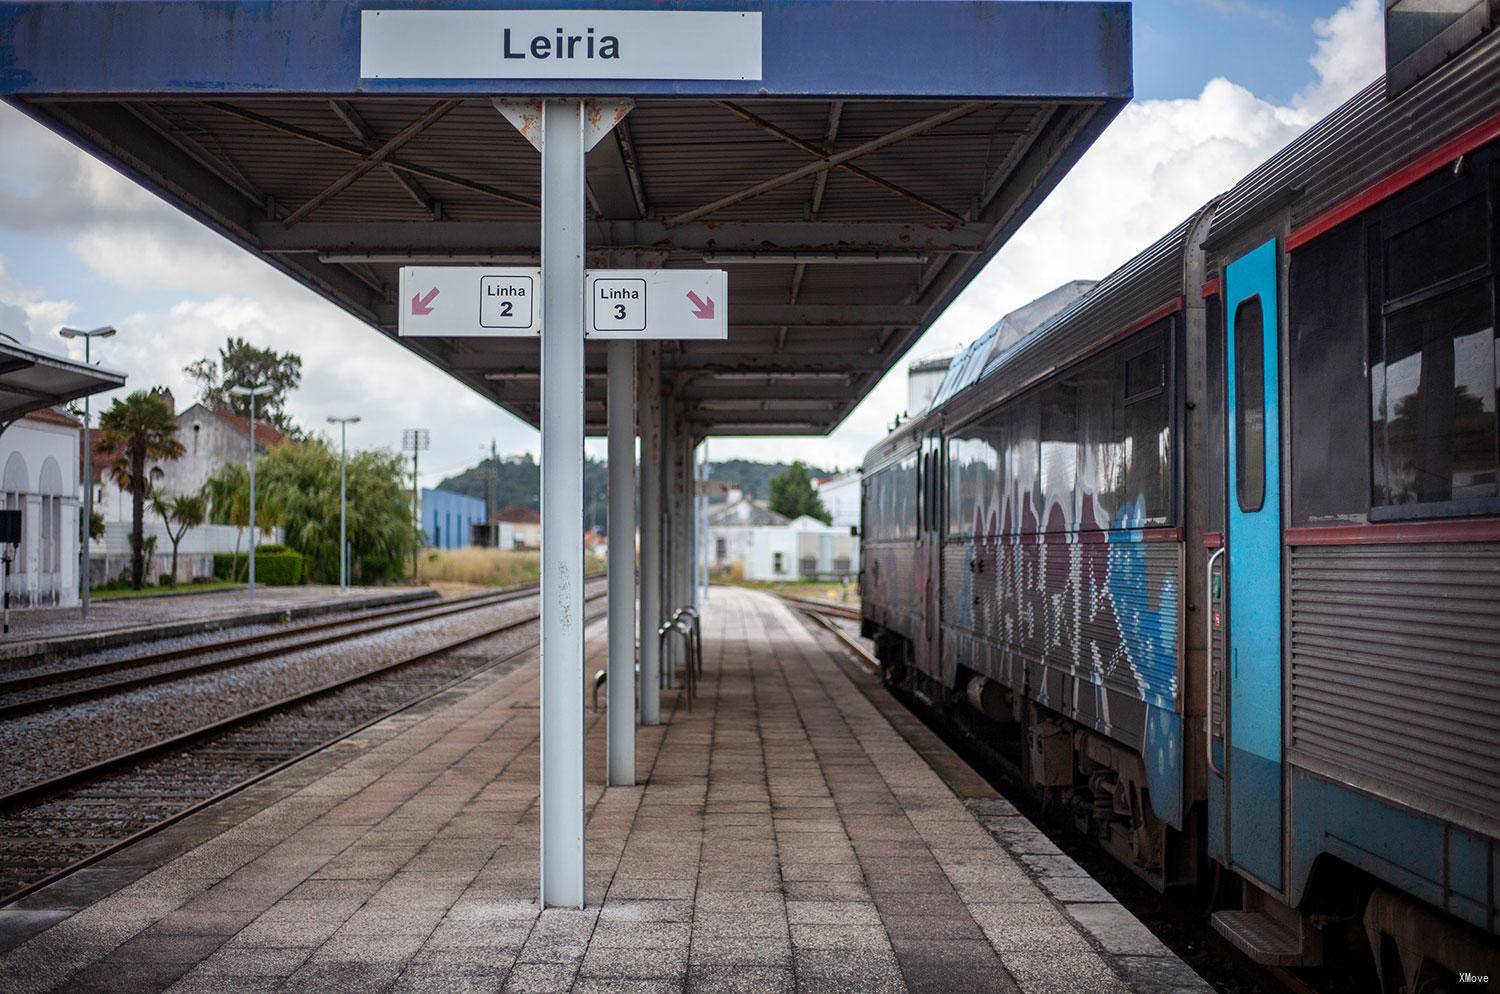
(448, 518)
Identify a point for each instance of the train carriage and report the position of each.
(1217, 547)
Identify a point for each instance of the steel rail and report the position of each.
(403, 615)
(20, 796)
(270, 771)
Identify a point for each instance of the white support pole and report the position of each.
(650, 415)
(562, 504)
(620, 739)
(670, 538)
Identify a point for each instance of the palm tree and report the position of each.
(135, 431)
(179, 514)
(228, 493)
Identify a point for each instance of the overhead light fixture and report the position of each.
(431, 258)
(795, 374)
(508, 375)
(832, 258)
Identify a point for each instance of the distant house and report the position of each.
(525, 523)
(448, 518)
(840, 495)
(211, 438)
(747, 537)
(39, 456)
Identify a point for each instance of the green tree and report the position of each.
(792, 495)
(297, 488)
(179, 514)
(136, 431)
(228, 494)
(242, 364)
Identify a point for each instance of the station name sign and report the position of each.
(559, 44)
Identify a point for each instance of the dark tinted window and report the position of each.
(1433, 358)
(1250, 405)
(1448, 246)
(1146, 477)
(1073, 454)
(1328, 423)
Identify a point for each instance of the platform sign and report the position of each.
(560, 44)
(713, 488)
(638, 304)
(470, 302)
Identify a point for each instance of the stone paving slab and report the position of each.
(786, 836)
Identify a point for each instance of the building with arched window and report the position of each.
(39, 459)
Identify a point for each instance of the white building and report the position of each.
(40, 456)
(210, 439)
(750, 539)
(840, 495)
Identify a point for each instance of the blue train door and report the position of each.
(1254, 543)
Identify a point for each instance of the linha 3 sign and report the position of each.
(559, 44)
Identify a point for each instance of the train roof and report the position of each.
(1368, 139)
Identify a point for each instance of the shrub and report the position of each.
(275, 565)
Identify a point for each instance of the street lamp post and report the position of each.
(415, 440)
(343, 424)
(88, 470)
(252, 393)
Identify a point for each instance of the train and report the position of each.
(1215, 547)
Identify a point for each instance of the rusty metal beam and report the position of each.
(351, 149)
(831, 162)
(373, 159)
(822, 178)
(360, 128)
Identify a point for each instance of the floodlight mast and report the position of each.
(252, 392)
(85, 580)
(343, 424)
(415, 440)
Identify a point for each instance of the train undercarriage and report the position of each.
(1350, 925)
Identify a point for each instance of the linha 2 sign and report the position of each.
(559, 44)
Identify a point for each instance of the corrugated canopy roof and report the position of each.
(32, 380)
(834, 271)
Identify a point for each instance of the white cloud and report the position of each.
(1157, 163)
(28, 317)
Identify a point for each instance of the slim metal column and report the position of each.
(562, 503)
(670, 540)
(650, 415)
(620, 740)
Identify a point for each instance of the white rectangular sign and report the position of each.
(713, 488)
(656, 303)
(559, 44)
(470, 302)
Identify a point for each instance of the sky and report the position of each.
(1219, 86)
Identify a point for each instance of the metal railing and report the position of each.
(686, 623)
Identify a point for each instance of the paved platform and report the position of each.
(115, 621)
(795, 831)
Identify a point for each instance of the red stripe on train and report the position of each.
(1428, 164)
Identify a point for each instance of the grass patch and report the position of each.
(488, 567)
(100, 594)
(817, 589)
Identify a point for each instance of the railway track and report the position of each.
(62, 686)
(61, 824)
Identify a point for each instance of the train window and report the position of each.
(1250, 406)
(1144, 373)
(1433, 357)
(1059, 454)
(1147, 436)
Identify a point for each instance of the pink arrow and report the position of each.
(421, 304)
(703, 309)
